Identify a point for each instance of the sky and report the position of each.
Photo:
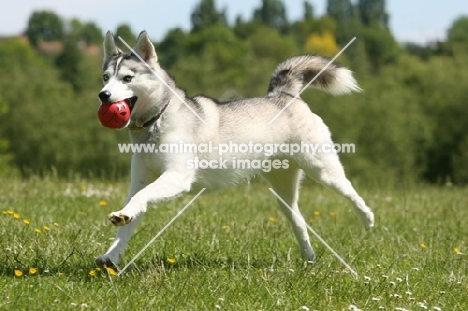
(418, 21)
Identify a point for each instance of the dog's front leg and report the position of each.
(140, 178)
(169, 185)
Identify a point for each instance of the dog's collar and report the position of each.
(150, 121)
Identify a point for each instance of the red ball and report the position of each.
(114, 115)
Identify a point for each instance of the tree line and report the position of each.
(408, 124)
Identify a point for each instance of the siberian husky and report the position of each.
(162, 114)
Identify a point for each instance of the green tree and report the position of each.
(347, 24)
(457, 32)
(243, 29)
(340, 10)
(224, 58)
(206, 14)
(457, 40)
(373, 12)
(74, 29)
(268, 43)
(444, 100)
(380, 45)
(301, 30)
(88, 33)
(172, 47)
(308, 10)
(6, 165)
(421, 51)
(273, 14)
(48, 125)
(125, 32)
(44, 26)
(68, 62)
(92, 34)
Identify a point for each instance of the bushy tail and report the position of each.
(294, 73)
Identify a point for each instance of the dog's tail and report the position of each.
(294, 73)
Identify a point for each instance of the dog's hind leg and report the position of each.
(327, 169)
(285, 182)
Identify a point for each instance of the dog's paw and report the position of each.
(107, 261)
(308, 254)
(368, 220)
(119, 219)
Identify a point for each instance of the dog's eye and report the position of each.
(127, 78)
(105, 78)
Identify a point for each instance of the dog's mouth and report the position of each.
(131, 102)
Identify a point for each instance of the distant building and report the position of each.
(55, 47)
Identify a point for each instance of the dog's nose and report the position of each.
(104, 96)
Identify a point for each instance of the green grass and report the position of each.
(233, 250)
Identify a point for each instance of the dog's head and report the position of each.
(130, 77)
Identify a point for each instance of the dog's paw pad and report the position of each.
(119, 219)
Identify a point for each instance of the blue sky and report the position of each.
(410, 20)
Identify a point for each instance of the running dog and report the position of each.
(162, 114)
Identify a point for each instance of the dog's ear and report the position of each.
(110, 48)
(145, 48)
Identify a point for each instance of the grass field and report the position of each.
(233, 250)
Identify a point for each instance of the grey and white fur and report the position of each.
(158, 116)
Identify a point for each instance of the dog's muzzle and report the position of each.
(104, 96)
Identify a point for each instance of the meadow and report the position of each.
(233, 250)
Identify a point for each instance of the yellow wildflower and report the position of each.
(37, 230)
(111, 271)
(46, 228)
(18, 273)
(10, 212)
(92, 273)
(26, 221)
(171, 260)
(316, 213)
(422, 245)
(32, 271)
(332, 214)
(16, 215)
(80, 213)
(456, 250)
(56, 224)
(272, 218)
(103, 203)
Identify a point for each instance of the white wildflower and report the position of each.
(353, 308)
